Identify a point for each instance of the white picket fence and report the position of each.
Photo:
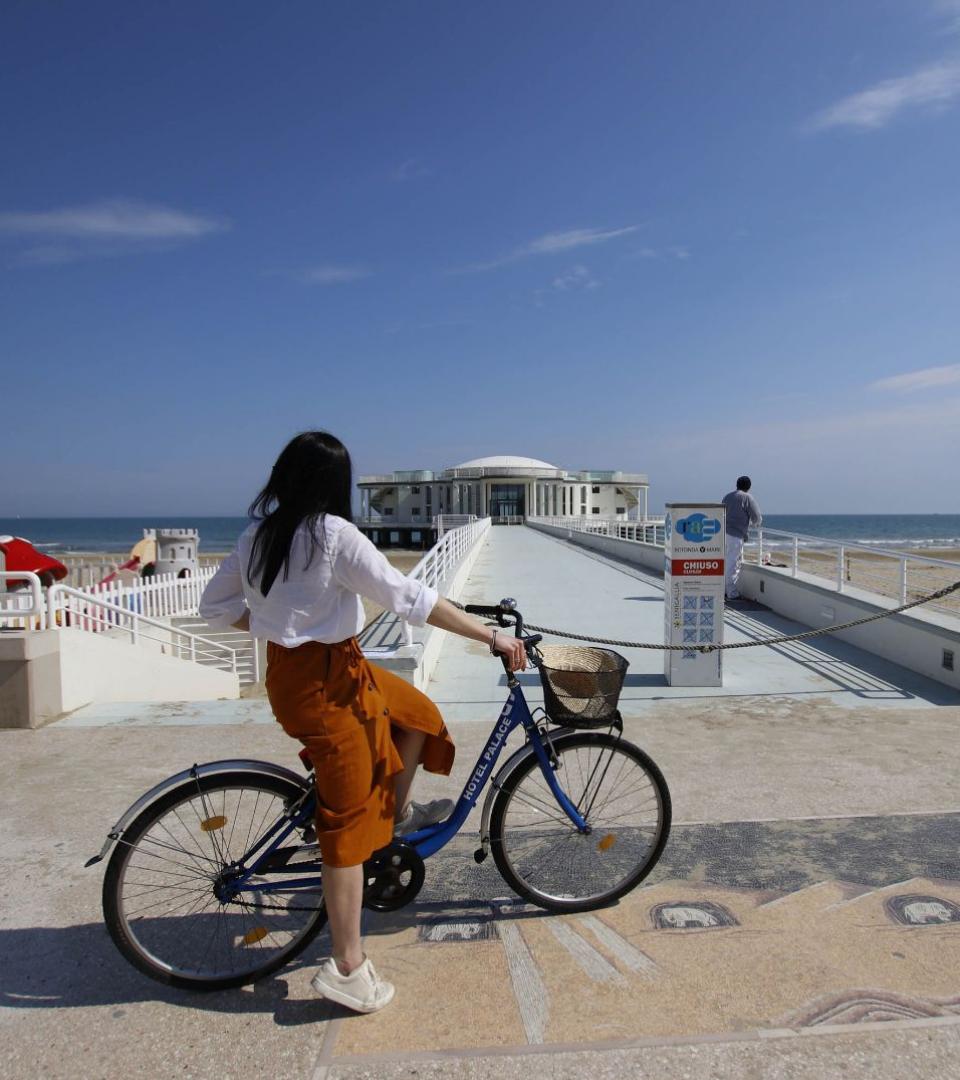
(160, 597)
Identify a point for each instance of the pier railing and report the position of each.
(646, 531)
(900, 575)
(438, 569)
(445, 523)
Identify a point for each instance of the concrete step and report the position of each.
(248, 663)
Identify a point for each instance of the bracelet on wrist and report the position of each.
(493, 644)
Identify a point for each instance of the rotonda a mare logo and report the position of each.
(697, 527)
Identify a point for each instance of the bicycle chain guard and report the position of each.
(394, 876)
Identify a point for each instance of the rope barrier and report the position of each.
(783, 638)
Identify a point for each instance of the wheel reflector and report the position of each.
(607, 842)
(212, 824)
(251, 937)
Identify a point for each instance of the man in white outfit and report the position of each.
(742, 512)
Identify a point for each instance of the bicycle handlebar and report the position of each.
(489, 611)
(500, 613)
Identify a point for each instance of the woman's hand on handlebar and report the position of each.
(448, 617)
(512, 650)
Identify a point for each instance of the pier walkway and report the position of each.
(814, 852)
(560, 585)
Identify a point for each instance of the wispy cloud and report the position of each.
(554, 243)
(926, 379)
(675, 251)
(329, 274)
(577, 277)
(111, 219)
(951, 10)
(411, 169)
(934, 86)
(819, 434)
(98, 230)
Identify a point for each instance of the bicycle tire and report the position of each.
(190, 869)
(521, 805)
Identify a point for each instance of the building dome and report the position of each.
(505, 461)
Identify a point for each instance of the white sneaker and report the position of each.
(362, 990)
(420, 815)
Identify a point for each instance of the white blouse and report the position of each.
(319, 602)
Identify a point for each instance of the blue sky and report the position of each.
(688, 239)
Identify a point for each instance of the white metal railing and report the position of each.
(244, 646)
(445, 523)
(413, 522)
(645, 531)
(900, 575)
(22, 608)
(436, 569)
(508, 519)
(74, 609)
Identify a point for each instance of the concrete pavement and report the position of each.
(800, 924)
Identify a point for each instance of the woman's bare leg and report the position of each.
(343, 895)
(409, 746)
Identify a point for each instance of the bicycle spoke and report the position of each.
(173, 920)
(555, 862)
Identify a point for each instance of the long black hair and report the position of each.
(312, 477)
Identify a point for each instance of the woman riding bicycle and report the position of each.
(296, 578)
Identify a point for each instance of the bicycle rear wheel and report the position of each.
(158, 892)
(622, 795)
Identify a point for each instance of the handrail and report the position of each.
(439, 563)
(842, 549)
(36, 609)
(619, 528)
(136, 620)
(852, 545)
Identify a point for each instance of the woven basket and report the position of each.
(581, 687)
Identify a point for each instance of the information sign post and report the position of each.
(693, 593)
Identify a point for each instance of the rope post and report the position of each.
(903, 581)
(796, 554)
(840, 569)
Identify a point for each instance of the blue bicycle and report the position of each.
(215, 877)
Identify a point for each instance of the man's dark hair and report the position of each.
(743, 483)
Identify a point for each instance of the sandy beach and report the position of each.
(880, 573)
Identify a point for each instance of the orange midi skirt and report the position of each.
(344, 709)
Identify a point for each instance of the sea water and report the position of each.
(915, 531)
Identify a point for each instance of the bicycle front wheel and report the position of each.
(624, 799)
(160, 890)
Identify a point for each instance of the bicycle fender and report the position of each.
(509, 766)
(210, 768)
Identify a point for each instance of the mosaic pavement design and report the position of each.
(750, 936)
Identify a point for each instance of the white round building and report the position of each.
(403, 507)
